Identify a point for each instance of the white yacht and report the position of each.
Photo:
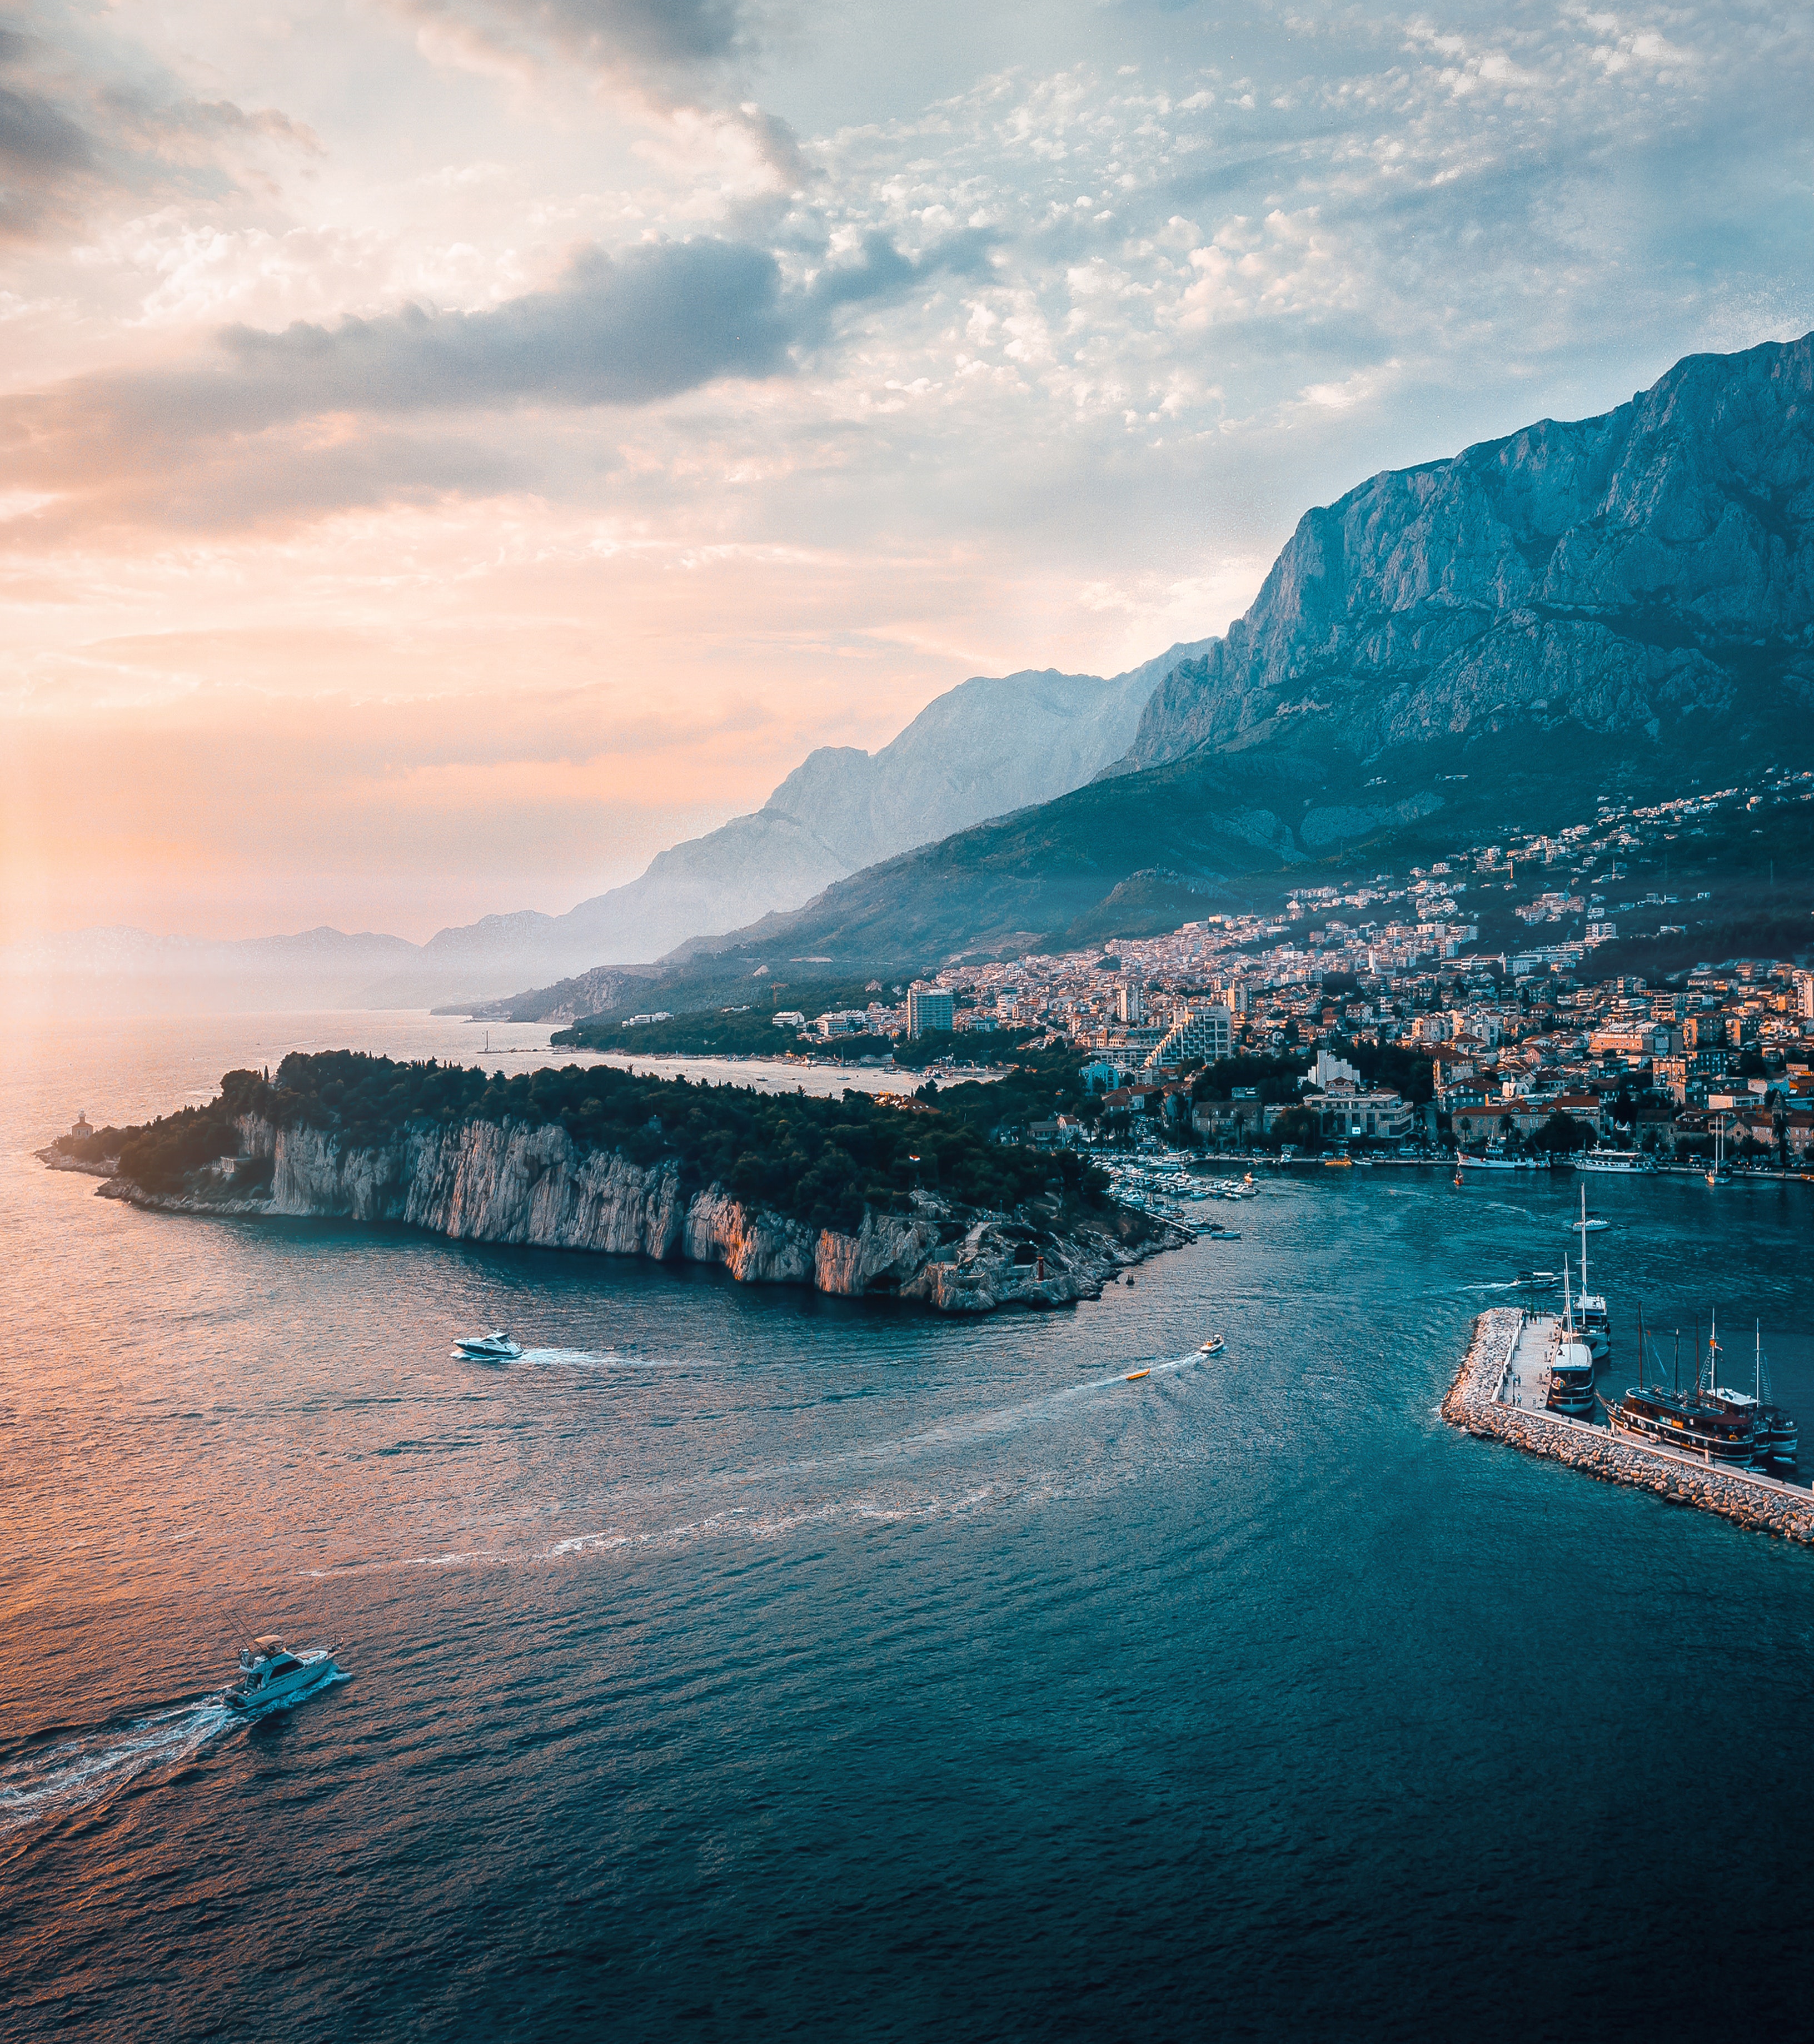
(269, 1674)
(494, 1347)
(1614, 1160)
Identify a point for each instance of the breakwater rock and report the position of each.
(1473, 1405)
(509, 1182)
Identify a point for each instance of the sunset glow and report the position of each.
(453, 451)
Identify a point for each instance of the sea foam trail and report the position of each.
(76, 1771)
(55, 1775)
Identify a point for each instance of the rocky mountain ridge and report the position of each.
(990, 746)
(1622, 605)
(1623, 573)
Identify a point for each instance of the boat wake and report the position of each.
(577, 1358)
(55, 1774)
(58, 1773)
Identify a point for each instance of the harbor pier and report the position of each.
(1500, 1393)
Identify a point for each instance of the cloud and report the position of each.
(69, 142)
(624, 331)
(45, 158)
(645, 37)
(883, 272)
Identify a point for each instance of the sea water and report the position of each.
(744, 1662)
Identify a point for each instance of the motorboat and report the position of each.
(494, 1347)
(1135, 1376)
(1223, 1234)
(1214, 1346)
(1593, 1226)
(269, 1674)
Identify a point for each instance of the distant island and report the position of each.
(906, 1198)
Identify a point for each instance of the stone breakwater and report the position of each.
(510, 1182)
(1472, 1404)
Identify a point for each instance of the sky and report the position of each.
(451, 449)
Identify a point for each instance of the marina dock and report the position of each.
(1499, 1391)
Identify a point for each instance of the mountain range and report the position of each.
(1617, 606)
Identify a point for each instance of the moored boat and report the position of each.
(1614, 1160)
(1492, 1160)
(1593, 1322)
(1570, 1362)
(1718, 1426)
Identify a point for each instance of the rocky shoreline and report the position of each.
(54, 1159)
(1753, 1501)
(534, 1186)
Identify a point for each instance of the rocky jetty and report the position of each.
(481, 1180)
(1754, 1501)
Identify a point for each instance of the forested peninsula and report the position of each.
(853, 1195)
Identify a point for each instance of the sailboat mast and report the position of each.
(1584, 1243)
(1757, 1374)
(1640, 1348)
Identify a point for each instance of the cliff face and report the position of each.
(1625, 573)
(483, 1182)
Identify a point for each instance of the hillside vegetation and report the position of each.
(821, 1162)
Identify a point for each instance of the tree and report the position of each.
(1299, 1127)
(1562, 1135)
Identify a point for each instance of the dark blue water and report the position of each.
(745, 1663)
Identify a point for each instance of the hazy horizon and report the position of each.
(457, 449)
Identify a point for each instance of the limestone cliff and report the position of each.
(509, 1182)
(1641, 572)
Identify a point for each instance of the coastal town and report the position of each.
(1410, 1033)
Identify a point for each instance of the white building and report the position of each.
(1343, 1110)
(1130, 1004)
(1207, 1033)
(929, 1009)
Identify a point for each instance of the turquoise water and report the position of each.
(743, 1662)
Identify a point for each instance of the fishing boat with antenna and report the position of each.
(1595, 1326)
(269, 1673)
(1570, 1365)
(1720, 1428)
